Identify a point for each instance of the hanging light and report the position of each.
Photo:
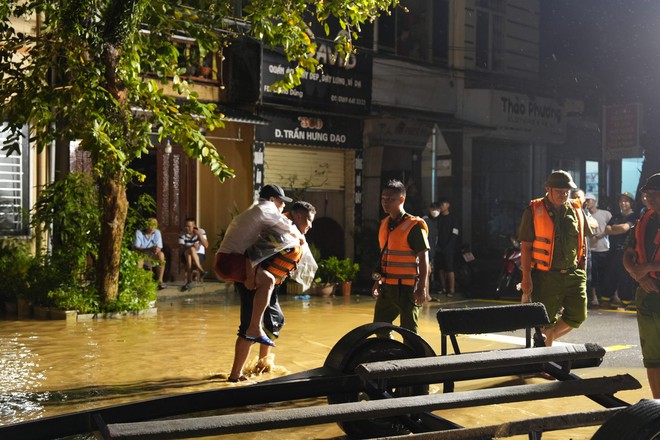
(168, 147)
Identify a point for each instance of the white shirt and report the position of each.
(245, 228)
(602, 244)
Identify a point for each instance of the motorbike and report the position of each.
(510, 274)
(464, 267)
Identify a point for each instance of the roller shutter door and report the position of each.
(324, 168)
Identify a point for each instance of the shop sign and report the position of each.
(516, 116)
(621, 130)
(310, 129)
(341, 86)
(530, 117)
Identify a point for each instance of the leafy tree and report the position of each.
(85, 66)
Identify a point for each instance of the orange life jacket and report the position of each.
(544, 233)
(640, 238)
(282, 263)
(399, 261)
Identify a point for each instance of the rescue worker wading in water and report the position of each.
(401, 278)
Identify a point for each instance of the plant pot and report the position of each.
(205, 71)
(346, 288)
(325, 289)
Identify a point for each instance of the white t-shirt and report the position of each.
(190, 240)
(245, 228)
(603, 217)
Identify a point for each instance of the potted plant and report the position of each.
(348, 271)
(325, 277)
(333, 271)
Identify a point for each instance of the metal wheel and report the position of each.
(357, 348)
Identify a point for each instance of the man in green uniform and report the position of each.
(552, 234)
(401, 280)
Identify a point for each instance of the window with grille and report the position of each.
(14, 184)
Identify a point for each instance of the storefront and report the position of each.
(312, 145)
(509, 162)
(318, 159)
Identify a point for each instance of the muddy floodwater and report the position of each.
(54, 367)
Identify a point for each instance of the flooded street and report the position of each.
(53, 367)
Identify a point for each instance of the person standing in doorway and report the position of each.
(642, 261)
(600, 248)
(401, 279)
(194, 242)
(553, 261)
(448, 232)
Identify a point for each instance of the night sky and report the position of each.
(612, 45)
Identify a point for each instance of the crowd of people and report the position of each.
(574, 255)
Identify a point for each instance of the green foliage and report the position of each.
(81, 298)
(64, 278)
(137, 288)
(71, 207)
(334, 270)
(15, 263)
(286, 24)
(87, 65)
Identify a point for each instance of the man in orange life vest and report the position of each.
(401, 280)
(642, 261)
(552, 234)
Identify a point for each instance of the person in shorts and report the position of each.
(642, 261)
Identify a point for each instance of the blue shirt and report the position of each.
(144, 242)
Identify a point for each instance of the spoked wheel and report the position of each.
(503, 284)
(640, 421)
(357, 348)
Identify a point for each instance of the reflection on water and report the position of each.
(51, 367)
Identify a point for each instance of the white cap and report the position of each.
(591, 196)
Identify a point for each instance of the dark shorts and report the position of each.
(444, 259)
(273, 317)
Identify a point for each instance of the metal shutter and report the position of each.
(294, 166)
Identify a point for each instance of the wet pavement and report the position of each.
(51, 367)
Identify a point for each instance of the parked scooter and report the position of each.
(464, 267)
(510, 275)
